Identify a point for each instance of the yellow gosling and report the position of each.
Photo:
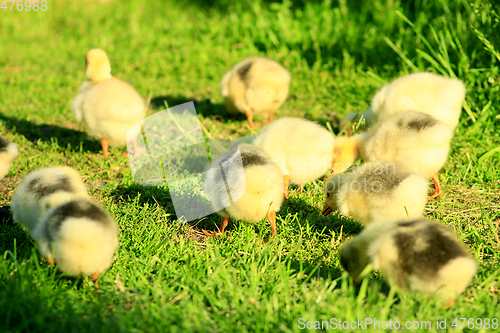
(303, 150)
(255, 86)
(71, 230)
(254, 183)
(107, 106)
(417, 255)
(376, 191)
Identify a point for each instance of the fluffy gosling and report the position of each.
(439, 96)
(71, 230)
(414, 254)
(253, 180)
(302, 149)
(107, 106)
(376, 191)
(255, 86)
(8, 153)
(417, 141)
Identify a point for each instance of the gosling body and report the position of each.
(303, 150)
(376, 191)
(71, 230)
(255, 86)
(417, 141)
(436, 95)
(107, 106)
(254, 183)
(414, 254)
(8, 153)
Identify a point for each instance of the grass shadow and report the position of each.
(309, 267)
(338, 224)
(65, 137)
(203, 107)
(160, 197)
(23, 299)
(151, 195)
(14, 240)
(311, 215)
(296, 204)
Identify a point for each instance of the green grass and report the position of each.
(168, 277)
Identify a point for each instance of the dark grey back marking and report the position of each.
(249, 158)
(4, 143)
(243, 71)
(76, 209)
(440, 249)
(382, 179)
(62, 183)
(418, 122)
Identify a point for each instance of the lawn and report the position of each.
(166, 276)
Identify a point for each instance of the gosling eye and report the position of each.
(328, 195)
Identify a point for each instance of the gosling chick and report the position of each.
(439, 96)
(376, 191)
(254, 183)
(417, 141)
(43, 189)
(255, 86)
(71, 230)
(8, 153)
(107, 106)
(302, 149)
(80, 236)
(414, 254)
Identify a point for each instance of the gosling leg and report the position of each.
(286, 182)
(451, 302)
(137, 152)
(104, 144)
(95, 276)
(271, 115)
(249, 114)
(271, 216)
(224, 223)
(437, 185)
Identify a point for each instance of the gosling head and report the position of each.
(353, 257)
(98, 67)
(332, 185)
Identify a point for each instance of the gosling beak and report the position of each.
(326, 210)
